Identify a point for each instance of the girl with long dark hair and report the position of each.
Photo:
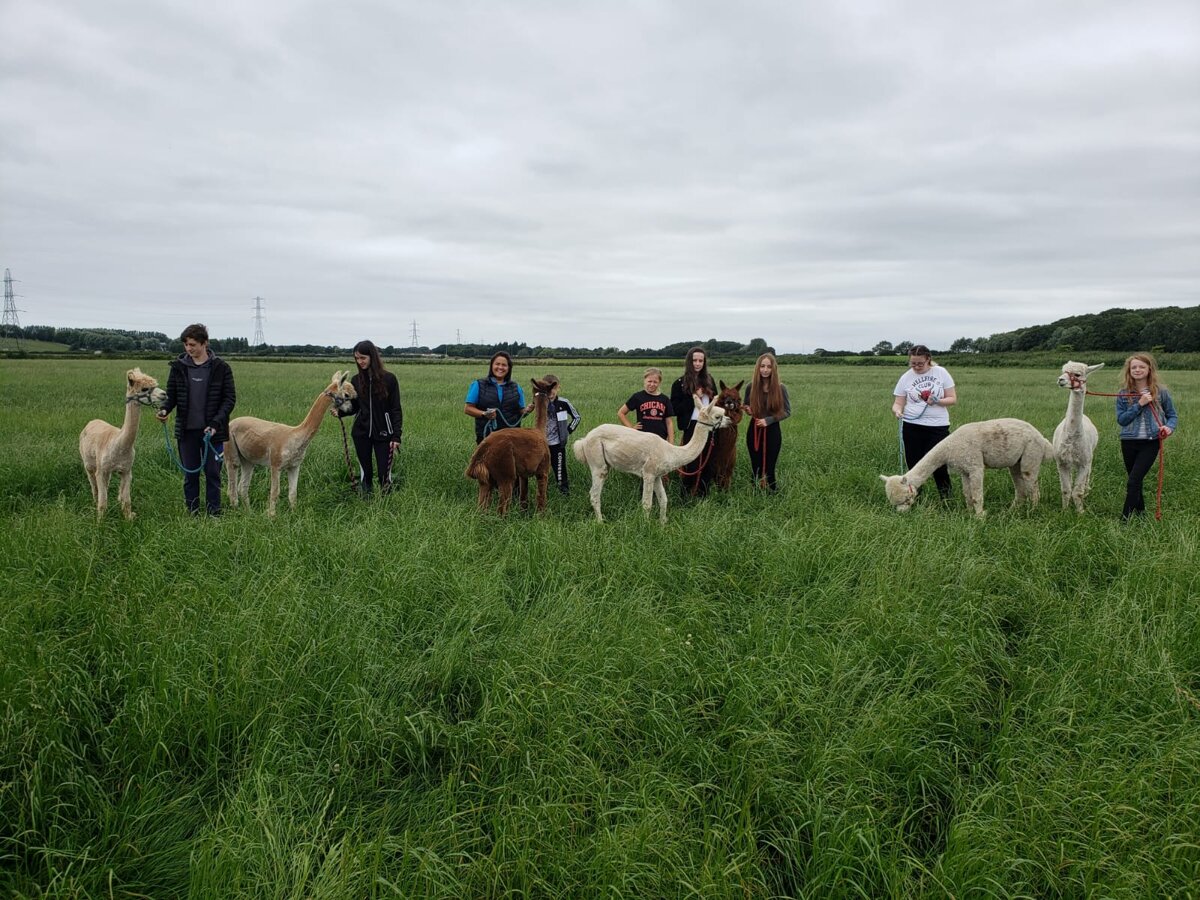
(378, 417)
(694, 380)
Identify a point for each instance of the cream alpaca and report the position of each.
(994, 444)
(1075, 438)
(645, 455)
(106, 449)
(255, 442)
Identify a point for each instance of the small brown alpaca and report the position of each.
(724, 452)
(106, 449)
(514, 453)
(256, 442)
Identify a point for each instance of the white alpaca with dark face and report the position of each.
(281, 448)
(106, 449)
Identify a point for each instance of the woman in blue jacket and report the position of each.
(1146, 416)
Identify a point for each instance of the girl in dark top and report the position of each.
(495, 402)
(694, 380)
(378, 417)
(768, 404)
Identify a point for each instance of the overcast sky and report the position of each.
(610, 173)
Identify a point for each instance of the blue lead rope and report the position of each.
(491, 425)
(203, 454)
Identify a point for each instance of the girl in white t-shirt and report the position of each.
(920, 400)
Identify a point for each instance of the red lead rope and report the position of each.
(760, 437)
(1162, 447)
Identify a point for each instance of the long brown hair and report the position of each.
(697, 381)
(766, 394)
(1152, 383)
(374, 368)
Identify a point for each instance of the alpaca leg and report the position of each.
(91, 474)
(293, 484)
(523, 487)
(274, 498)
(101, 492)
(973, 491)
(485, 494)
(660, 491)
(543, 484)
(1064, 481)
(244, 486)
(598, 477)
(1083, 484)
(232, 476)
(506, 491)
(125, 492)
(648, 492)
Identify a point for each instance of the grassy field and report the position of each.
(803, 694)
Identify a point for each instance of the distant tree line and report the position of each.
(116, 340)
(1169, 329)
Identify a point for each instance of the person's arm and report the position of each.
(898, 403)
(1128, 409)
(947, 399)
(1170, 418)
(575, 417)
(397, 411)
(622, 413)
(787, 408)
(471, 409)
(172, 387)
(670, 429)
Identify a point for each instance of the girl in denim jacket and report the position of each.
(1146, 416)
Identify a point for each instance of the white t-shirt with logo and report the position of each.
(919, 390)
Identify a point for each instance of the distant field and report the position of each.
(804, 694)
(33, 346)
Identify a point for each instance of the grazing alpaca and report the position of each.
(106, 449)
(255, 442)
(514, 454)
(1075, 438)
(724, 452)
(643, 454)
(994, 444)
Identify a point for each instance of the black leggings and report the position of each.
(756, 438)
(364, 447)
(918, 441)
(1139, 458)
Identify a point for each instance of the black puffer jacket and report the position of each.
(218, 405)
(377, 418)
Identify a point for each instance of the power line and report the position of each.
(414, 334)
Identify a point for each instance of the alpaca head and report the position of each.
(341, 391)
(541, 388)
(730, 400)
(712, 415)
(900, 493)
(142, 389)
(1075, 375)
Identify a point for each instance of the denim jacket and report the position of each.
(1138, 422)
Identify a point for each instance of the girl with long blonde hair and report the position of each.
(1147, 416)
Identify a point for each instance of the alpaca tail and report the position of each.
(477, 467)
(580, 448)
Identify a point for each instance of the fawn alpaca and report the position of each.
(106, 449)
(256, 442)
(514, 454)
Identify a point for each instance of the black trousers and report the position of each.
(191, 451)
(763, 443)
(918, 441)
(1139, 456)
(364, 449)
(558, 465)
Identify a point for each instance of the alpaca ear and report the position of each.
(1095, 367)
(697, 401)
(738, 386)
(722, 384)
(883, 478)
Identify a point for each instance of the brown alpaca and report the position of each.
(513, 454)
(106, 449)
(724, 451)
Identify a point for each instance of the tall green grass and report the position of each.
(804, 694)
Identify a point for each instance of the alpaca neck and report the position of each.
(133, 411)
(930, 463)
(1074, 416)
(689, 451)
(539, 410)
(315, 413)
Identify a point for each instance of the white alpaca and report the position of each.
(643, 454)
(994, 444)
(256, 442)
(1075, 438)
(106, 449)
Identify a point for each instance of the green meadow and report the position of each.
(794, 695)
